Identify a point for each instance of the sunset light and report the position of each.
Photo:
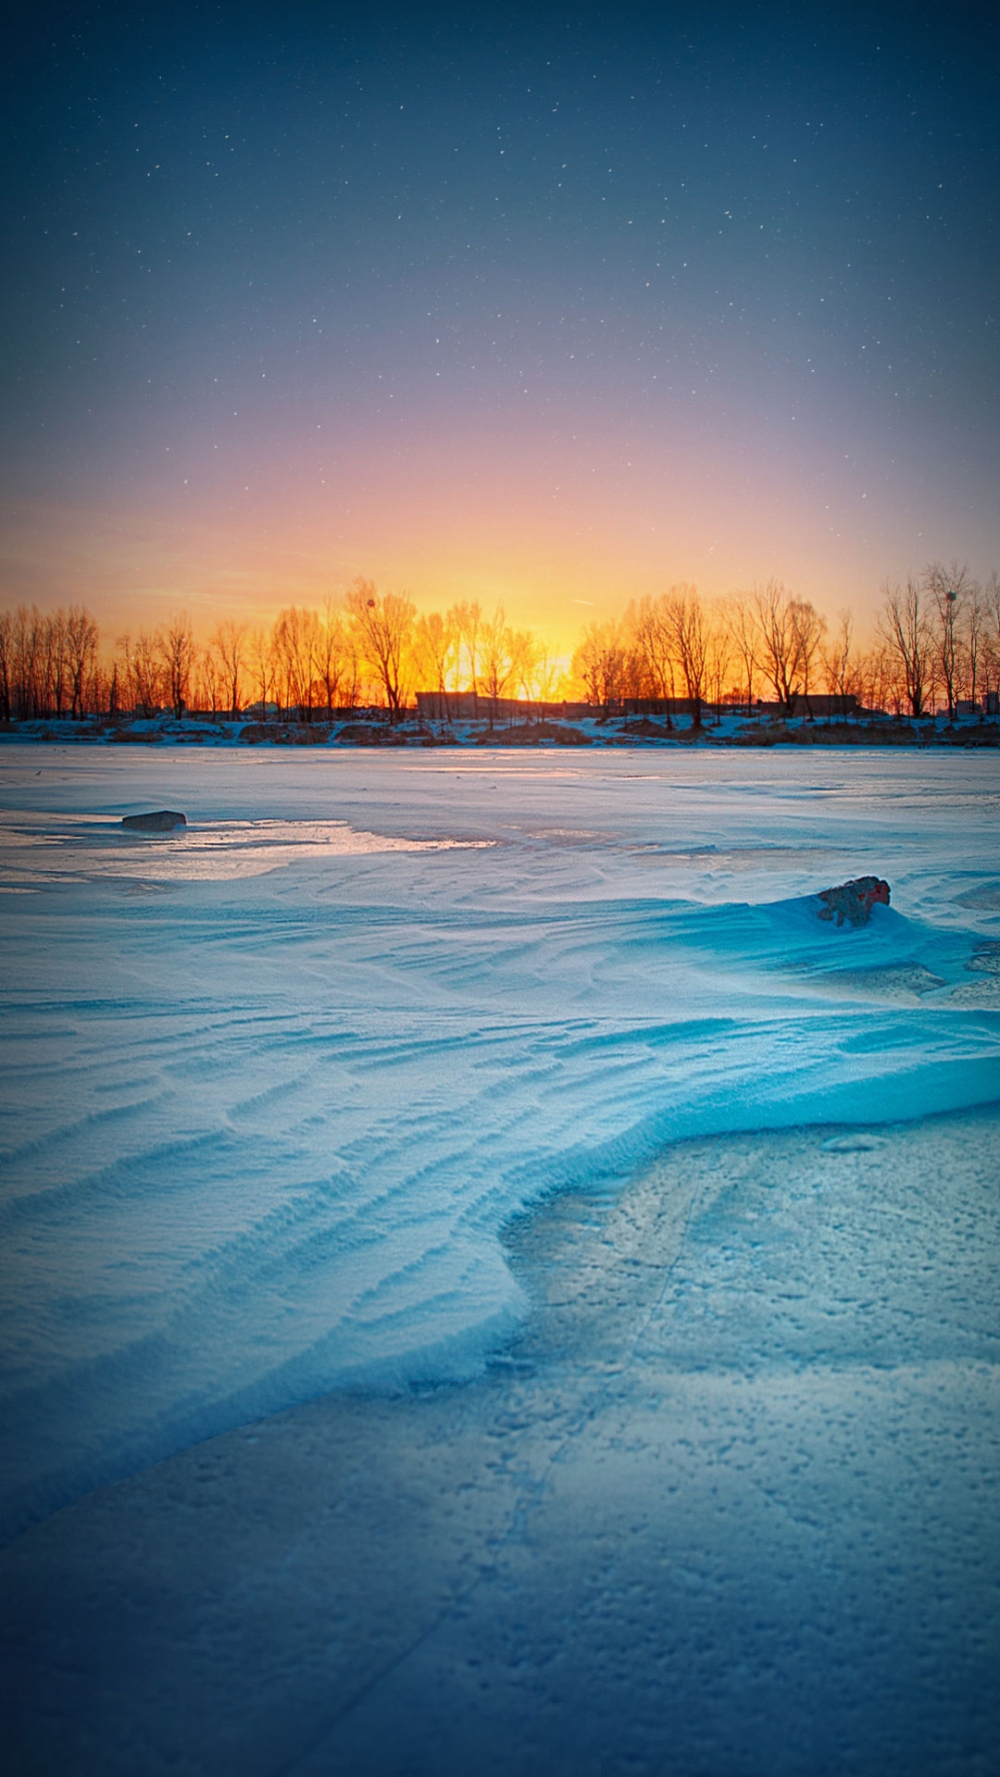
(537, 311)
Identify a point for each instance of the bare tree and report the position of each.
(26, 640)
(721, 652)
(839, 662)
(175, 641)
(121, 675)
(467, 620)
(383, 624)
(689, 636)
(975, 637)
(497, 659)
(548, 673)
(743, 630)
(950, 589)
(599, 663)
(436, 645)
(904, 627)
(877, 678)
(6, 663)
(54, 669)
(295, 644)
(808, 628)
(211, 683)
(230, 644)
(141, 673)
(779, 632)
(525, 651)
(651, 634)
(44, 661)
(261, 658)
(991, 633)
(81, 654)
(107, 691)
(337, 659)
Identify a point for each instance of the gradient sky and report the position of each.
(553, 309)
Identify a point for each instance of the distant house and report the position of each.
(469, 706)
(819, 705)
(664, 706)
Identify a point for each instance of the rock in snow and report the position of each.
(162, 821)
(854, 900)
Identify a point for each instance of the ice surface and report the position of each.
(273, 1085)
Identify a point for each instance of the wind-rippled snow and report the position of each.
(274, 1083)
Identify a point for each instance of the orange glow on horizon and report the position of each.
(560, 530)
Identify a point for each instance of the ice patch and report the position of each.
(224, 852)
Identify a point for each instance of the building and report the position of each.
(819, 706)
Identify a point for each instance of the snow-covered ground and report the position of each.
(726, 1507)
(274, 1085)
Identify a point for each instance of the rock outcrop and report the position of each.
(163, 820)
(854, 900)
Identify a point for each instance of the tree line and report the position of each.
(936, 642)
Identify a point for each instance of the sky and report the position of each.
(551, 307)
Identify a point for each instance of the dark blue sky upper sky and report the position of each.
(326, 279)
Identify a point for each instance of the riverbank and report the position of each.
(373, 729)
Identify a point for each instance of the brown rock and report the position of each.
(285, 734)
(854, 900)
(359, 734)
(163, 821)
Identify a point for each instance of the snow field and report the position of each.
(274, 1087)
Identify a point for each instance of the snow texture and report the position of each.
(275, 1083)
(726, 1505)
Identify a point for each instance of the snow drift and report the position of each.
(274, 1083)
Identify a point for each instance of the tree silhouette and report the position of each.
(383, 623)
(905, 629)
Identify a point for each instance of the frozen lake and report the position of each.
(692, 1467)
(274, 1085)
